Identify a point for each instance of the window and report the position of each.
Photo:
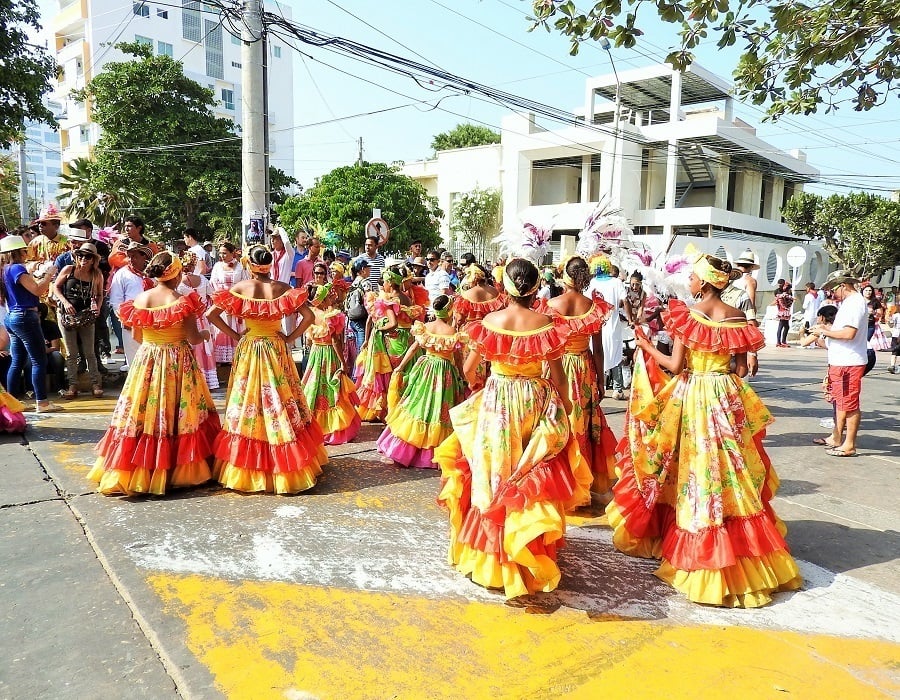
(228, 99)
(190, 20)
(79, 67)
(147, 41)
(161, 13)
(236, 40)
(276, 51)
(84, 134)
(140, 9)
(215, 64)
(235, 64)
(164, 49)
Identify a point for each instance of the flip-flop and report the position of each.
(823, 442)
(835, 452)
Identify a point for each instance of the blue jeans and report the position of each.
(26, 343)
(359, 332)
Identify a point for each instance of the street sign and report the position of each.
(796, 256)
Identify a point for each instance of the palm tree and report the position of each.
(80, 196)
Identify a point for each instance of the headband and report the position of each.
(511, 289)
(568, 281)
(445, 312)
(706, 272)
(322, 293)
(473, 274)
(393, 277)
(172, 271)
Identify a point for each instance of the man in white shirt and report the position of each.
(193, 245)
(127, 282)
(437, 281)
(811, 304)
(847, 345)
(612, 290)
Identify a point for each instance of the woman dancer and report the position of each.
(329, 391)
(270, 441)
(225, 274)
(204, 352)
(505, 468)
(164, 423)
(391, 315)
(583, 366)
(418, 419)
(478, 298)
(696, 483)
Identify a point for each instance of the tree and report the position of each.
(342, 202)
(860, 231)
(9, 191)
(162, 139)
(25, 71)
(797, 56)
(464, 136)
(474, 217)
(80, 196)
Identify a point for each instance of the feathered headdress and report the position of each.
(666, 276)
(604, 230)
(532, 242)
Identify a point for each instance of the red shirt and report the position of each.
(303, 272)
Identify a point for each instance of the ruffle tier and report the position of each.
(246, 307)
(547, 343)
(404, 453)
(709, 336)
(160, 317)
(12, 418)
(592, 320)
(469, 311)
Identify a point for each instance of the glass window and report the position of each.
(236, 40)
(164, 49)
(228, 99)
(140, 9)
(161, 13)
(144, 40)
(190, 20)
(276, 51)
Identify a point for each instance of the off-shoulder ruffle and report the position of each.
(547, 343)
(710, 336)
(245, 307)
(158, 317)
(476, 310)
(592, 320)
(419, 295)
(435, 341)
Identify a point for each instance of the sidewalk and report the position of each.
(344, 591)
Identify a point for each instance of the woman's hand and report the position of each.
(67, 306)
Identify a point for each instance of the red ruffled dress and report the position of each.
(696, 483)
(270, 441)
(466, 311)
(507, 469)
(587, 421)
(162, 429)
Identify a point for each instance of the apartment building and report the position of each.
(83, 34)
(662, 144)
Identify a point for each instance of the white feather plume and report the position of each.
(604, 231)
(531, 241)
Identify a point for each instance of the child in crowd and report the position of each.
(894, 323)
(825, 317)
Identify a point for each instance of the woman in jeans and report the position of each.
(79, 288)
(21, 292)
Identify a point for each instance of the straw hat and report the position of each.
(138, 247)
(49, 213)
(835, 279)
(11, 243)
(89, 249)
(746, 260)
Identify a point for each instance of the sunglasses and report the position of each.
(82, 256)
(319, 272)
(431, 259)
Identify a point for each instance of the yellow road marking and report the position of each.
(287, 640)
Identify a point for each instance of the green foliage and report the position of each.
(464, 136)
(342, 201)
(9, 191)
(798, 57)
(147, 105)
(474, 217)
(25, 71)
(860, 231)
(80, 197)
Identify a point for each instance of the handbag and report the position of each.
(76, 320)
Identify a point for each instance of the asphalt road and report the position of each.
(344, 591)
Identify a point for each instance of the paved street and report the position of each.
(344, 591)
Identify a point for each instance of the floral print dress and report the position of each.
(162, 429)
(696, 483)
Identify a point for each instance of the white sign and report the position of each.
(796, 256)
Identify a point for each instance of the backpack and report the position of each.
(354, 305)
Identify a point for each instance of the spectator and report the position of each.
(303, 271)
(192, 243)
(846, 360)
(894, 320)
(375, 260)
(747, 282)
(811, 304)
(225, 274)
(784, 303)
(437, 281)
(355, 307)
(415, 251)
(134, 233)
(449, 266)
(50, 243)
(607, 284)
(127, 282)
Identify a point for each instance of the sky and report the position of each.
(488, 41)
(340, 99)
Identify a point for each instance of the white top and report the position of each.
(852, 313)
(125, 286)
(202, 267)
(895, 325)
(437, 283)
(612, 290)
(811, 304)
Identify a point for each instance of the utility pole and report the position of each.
(23, 184)
(254, 197)
(359, 160)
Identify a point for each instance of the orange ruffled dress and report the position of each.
(270, 441)
(696, 483)
(467, 311)
(506, 470)
(587, 421)
(162, 429)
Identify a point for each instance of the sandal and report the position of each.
(70, 393)
(48, 408)
(837, 452)
(823, 442)
(97, 392)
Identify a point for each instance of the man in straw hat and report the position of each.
(746, 263)
(49, 243)
(127, 282)
(847, 346)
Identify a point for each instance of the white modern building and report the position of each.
(84, 32)
(662, 144)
